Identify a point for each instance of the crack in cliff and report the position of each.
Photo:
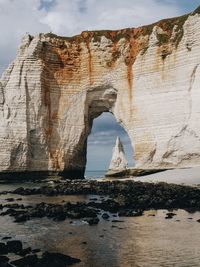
(187, 157)
(6, 75)
(2, 95)
(20, 73)
(28, 157)
(192, 80)
(152, 154)
(193, 76)
(89, 61)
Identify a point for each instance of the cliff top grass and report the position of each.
(167, 25)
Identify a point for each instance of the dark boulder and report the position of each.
(56, 260)
(14, 246)
(3, 260)
(10, 199)
(28, 261)
(21, 218)
(36, 250)
(25, 251)
(105, 216)
(92, 221)
(3, 249)
(170, 215)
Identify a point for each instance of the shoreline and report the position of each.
(135, 194)
(112, 201)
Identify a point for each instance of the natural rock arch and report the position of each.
(148, 77)
(95, 101)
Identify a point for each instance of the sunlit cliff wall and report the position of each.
(148, 77)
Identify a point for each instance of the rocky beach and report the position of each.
(90, 203)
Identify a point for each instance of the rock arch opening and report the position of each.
(92, 103)
(100, 143)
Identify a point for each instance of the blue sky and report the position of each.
(70, 17)
(101, 141)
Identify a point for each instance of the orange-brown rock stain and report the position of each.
(115, 55)
(134, 39)
(156, 67)
(61, 66)
(89, 63)
(69, 64)
(135, 46)
(160, 57)
(146, 146)
(87, 37)
(47, 102)
(140, 151)
(112, 35)
(143, 149)
(56, 159)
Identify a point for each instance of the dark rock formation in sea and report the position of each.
(29, 257)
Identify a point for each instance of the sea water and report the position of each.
(146, 241)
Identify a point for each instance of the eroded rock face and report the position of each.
(148, 77)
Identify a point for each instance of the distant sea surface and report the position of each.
(95, 174)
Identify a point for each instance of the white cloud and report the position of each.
(16, 18)
(71, 17)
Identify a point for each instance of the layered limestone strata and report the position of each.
(148, 77)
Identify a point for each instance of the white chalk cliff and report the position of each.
(118, 161)
(148, 77)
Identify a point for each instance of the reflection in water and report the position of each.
(137, 242)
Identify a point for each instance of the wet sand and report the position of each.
(190, 176)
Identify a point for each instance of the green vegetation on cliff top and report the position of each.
(166, 24)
